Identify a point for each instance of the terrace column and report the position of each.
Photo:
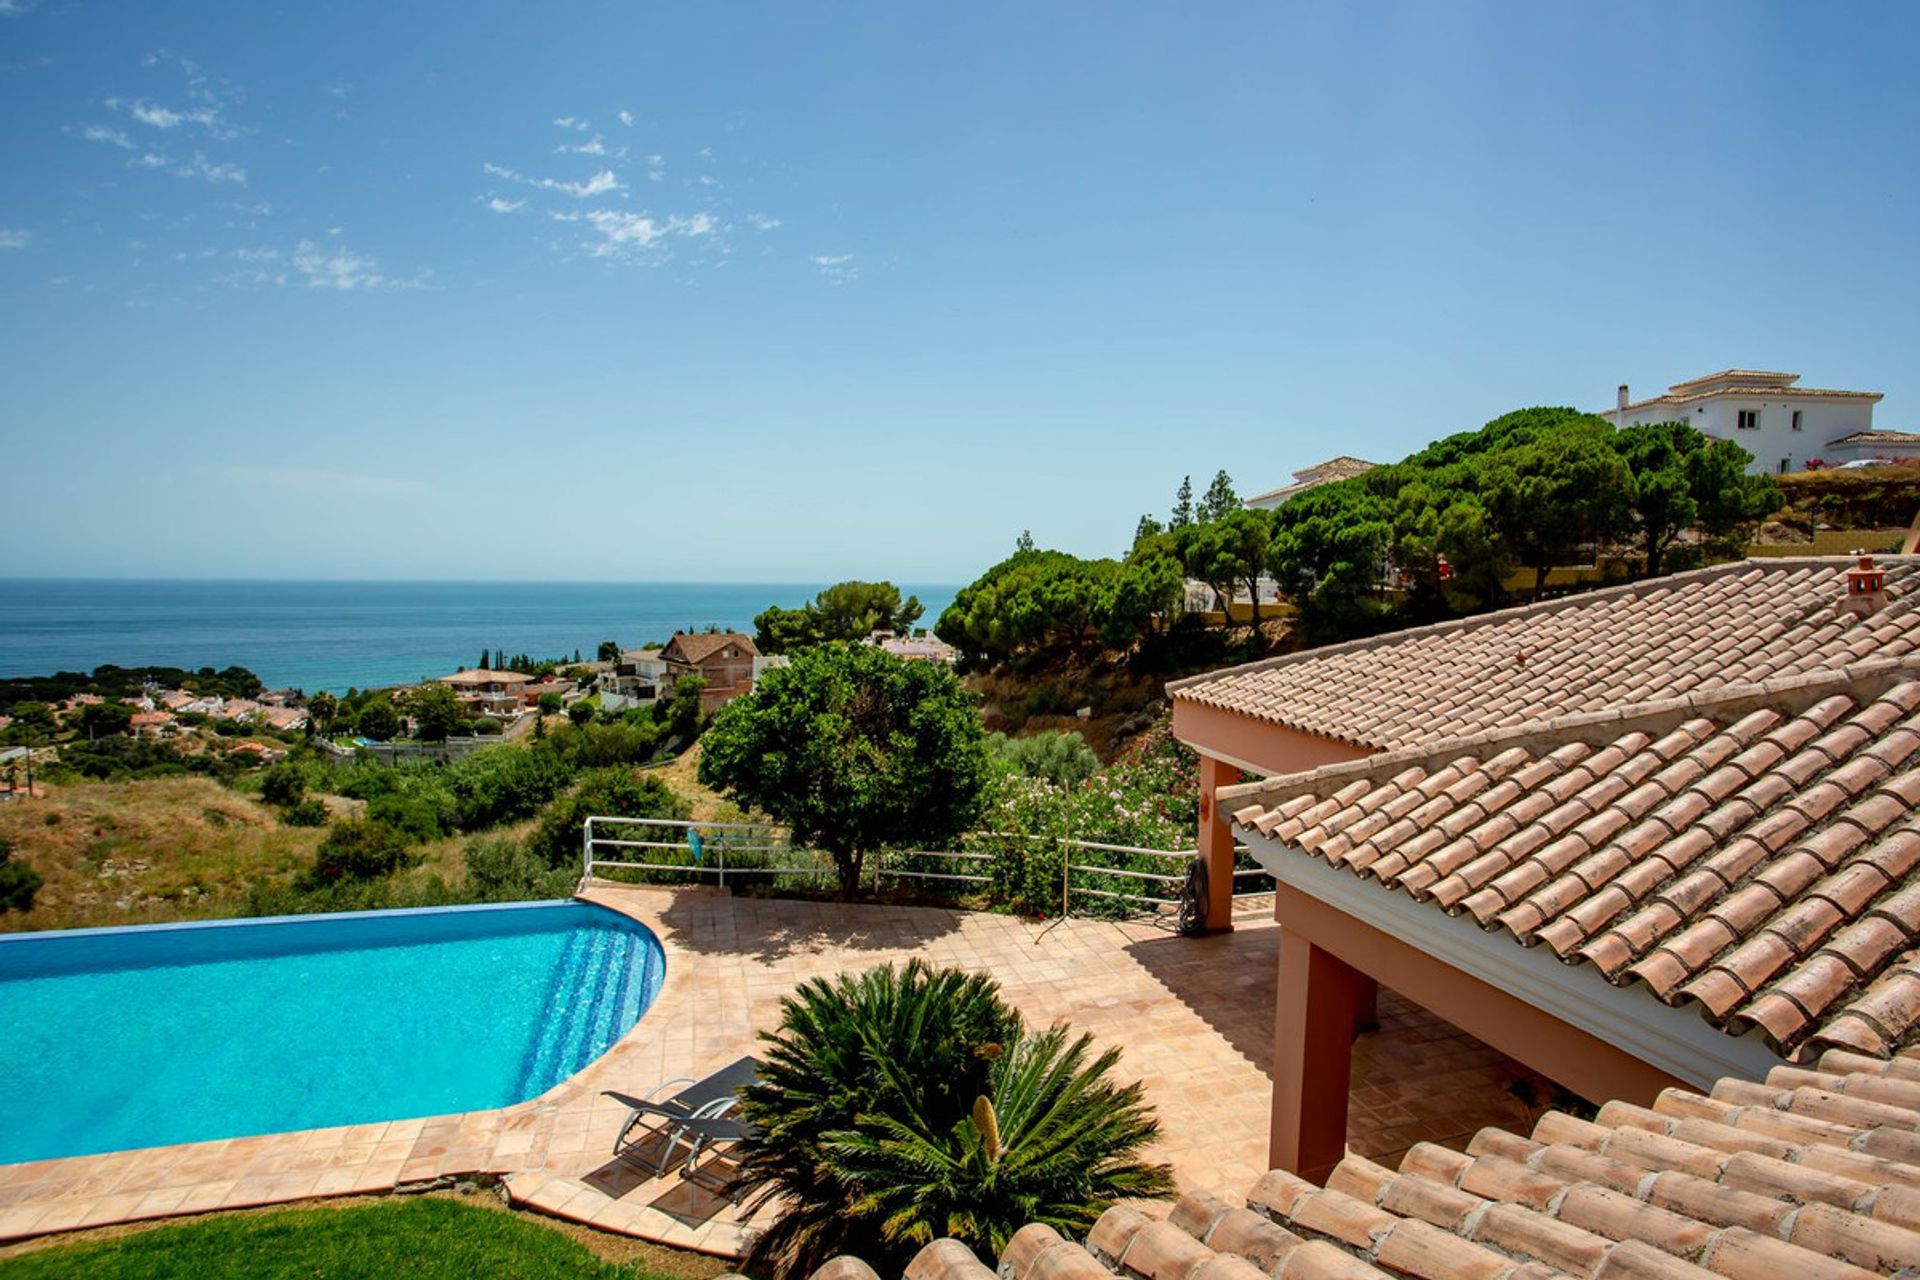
(1321, 998)
(1216, 843)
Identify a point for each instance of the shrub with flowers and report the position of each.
(1148, 798)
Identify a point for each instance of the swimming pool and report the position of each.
(118, 1038)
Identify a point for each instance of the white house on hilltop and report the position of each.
(1340, 468)
(1781, 424)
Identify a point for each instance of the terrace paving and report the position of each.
(1194, 1017)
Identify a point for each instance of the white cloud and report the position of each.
(336, 267)
(838, 268)
(761, 222)
(571, 122)
(706, 180)
(596, 147)
(112, 137)
(599, 184)
(14, 8)
(152, 160)
(499, 205)
(201, 167)
(626, 118)
(638, 235)
(166, 118)
(14, 237)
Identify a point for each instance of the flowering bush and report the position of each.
(1148, 798)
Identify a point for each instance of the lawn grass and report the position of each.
(421, 1238)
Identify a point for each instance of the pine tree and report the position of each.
(1147, 528)
(483, 661)
(1182, 504)
(1220, 500)
(1025, 541)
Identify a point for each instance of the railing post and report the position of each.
(586, 851)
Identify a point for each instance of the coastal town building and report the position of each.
(724, 659)
(1782, 424)
(925, 647)
(1640, 839)
(1874, 446)
(484, 692)
(639, 675)
(1340, 468)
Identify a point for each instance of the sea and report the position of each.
(341, 635)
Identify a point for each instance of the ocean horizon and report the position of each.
(342, 634)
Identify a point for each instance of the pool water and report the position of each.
(118, 1038)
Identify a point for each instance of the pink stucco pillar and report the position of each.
(1216, 842)
(1320, 999)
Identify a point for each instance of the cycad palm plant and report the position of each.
(901, 1105)
(1054, 1141)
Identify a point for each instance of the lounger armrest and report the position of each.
(647, 1108)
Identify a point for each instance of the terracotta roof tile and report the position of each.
(1786, 907)
(1663, 638)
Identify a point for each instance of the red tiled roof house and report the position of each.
(1640, 839)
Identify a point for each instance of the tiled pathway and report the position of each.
(1193, 1016)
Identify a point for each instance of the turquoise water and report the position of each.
(115, 1039)
(332, 635)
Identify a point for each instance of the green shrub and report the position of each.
(359, 849)
(502, 784)
(1059, 756)
(503, 870)
(902, 1105)
(415, 814)
(283, 784)
(580, 713)
(615, 793)
(18, 881)
(484, 727)
(595, 746)
(550, 704)
(305, 813)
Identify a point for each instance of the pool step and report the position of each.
(595, 996)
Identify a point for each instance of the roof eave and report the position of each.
(1676, 1040)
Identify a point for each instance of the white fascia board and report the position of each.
(1678, 1041)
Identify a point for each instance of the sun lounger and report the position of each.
(696, 1115)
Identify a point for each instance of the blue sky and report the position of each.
(613, 291)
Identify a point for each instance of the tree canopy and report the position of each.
(1534, 488)
(855, 750)
(850, 610)
(435, 711)
(1041, 599)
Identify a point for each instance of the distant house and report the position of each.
(638, 675)
(487, 693)
(922, 648)
(530, 694)
(153, 724)
(1340, 468)
(723, 658)
(1873, 446)
(1783, 425)
(283, 719)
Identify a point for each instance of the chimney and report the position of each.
(1866, 587)
(1621, 403)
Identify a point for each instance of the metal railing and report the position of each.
(703, 852)
(706, 845)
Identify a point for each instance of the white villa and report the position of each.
(1312, 477)
(1783, 425)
